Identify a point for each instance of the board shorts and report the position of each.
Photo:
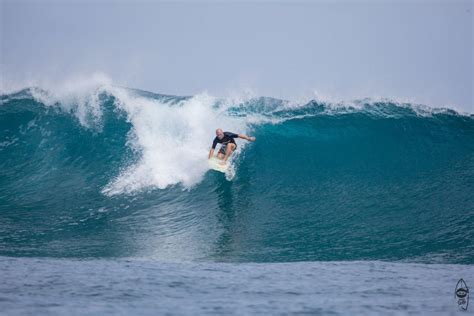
(224, 147)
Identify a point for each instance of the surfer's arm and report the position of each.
(211, 153)
(249, 138)
(214, 144)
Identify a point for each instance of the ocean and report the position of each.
(107, 205)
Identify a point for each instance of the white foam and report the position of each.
(78, 95)
(174, 140)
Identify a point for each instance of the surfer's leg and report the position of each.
(229, 150)
(221, 152)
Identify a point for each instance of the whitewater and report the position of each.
(367, 201)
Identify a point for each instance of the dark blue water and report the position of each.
(119, 173)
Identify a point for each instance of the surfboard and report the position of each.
(214, 164)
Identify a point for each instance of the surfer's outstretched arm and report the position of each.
(249, 138)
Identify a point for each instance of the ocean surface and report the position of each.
(107, 205)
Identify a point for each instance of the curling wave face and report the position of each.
(114, 172)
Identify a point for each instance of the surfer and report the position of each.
(228, 144)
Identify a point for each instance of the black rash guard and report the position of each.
(228, 138)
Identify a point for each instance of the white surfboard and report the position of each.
(215, 164)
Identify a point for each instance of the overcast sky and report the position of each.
(420, 51)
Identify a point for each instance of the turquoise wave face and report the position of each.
(376, 181)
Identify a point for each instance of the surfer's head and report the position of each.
(219, 133)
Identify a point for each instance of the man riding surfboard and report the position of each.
(228, 144)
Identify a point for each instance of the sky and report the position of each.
(410, 51)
